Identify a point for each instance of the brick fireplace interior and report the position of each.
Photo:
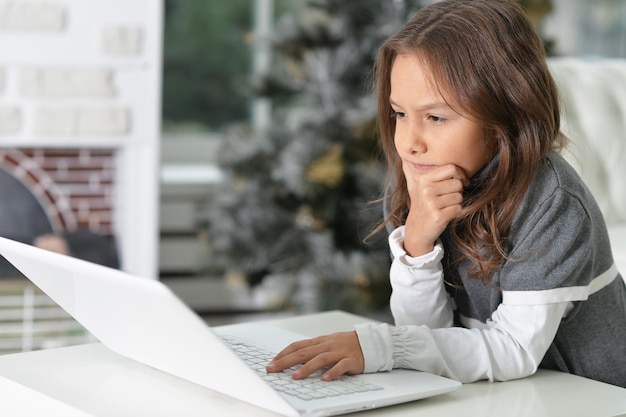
(64, 192)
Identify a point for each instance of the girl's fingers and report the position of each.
(441, 173)
(321, 361)
(294, 347)
(343, 367)
(294, 354)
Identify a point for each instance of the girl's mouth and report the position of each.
(422, 167)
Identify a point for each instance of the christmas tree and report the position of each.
(296, 200)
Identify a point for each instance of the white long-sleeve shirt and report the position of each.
(510, 345)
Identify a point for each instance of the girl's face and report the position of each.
(429, 133)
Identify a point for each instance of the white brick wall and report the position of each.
(31, 15)
(72, 121)
(86, 74)
(49, 82)
(9, 120)
(121, 40)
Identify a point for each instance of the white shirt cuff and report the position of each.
(375, 341)
(396, 245)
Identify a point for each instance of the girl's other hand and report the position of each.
(436, 198)
(340, 352)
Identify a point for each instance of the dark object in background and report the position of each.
(23, 218)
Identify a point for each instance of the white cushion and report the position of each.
(617, 234)
(593, 97)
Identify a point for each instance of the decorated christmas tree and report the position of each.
(297, 198)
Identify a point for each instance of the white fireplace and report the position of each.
(80, 116)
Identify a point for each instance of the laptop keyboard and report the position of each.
(310, 388)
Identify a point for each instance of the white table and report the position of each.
(96, 381)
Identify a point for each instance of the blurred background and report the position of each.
(225, 148)
(289, 118)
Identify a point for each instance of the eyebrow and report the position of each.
(424, 107)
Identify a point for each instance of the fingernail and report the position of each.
(271, 367)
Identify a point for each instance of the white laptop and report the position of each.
(142, 319)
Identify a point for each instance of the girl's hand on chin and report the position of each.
(436, 198)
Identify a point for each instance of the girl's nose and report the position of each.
(414, 140)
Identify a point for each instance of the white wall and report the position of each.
(87, 73)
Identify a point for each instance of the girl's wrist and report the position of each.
(415, 243)
(415, 249)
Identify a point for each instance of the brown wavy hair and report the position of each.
(487, 54)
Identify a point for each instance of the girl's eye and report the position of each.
(436, 119)
(397, 115)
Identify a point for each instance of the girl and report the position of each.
(501, 259)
